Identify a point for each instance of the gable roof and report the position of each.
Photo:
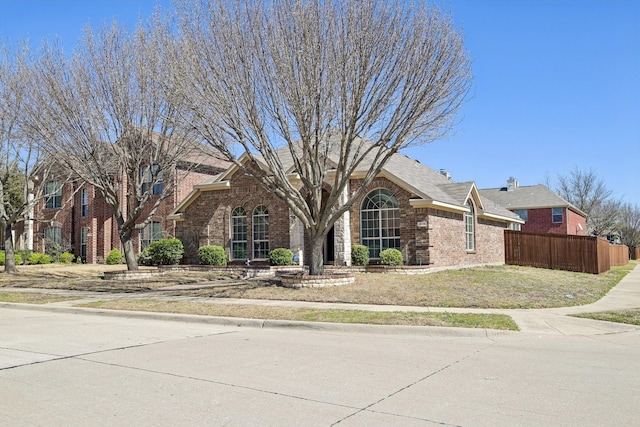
(427, 187)
(529, 197)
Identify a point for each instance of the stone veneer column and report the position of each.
(296, 237)
(342, 233)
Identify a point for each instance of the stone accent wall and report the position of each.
(207, 221)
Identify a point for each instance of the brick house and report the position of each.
(428, 217)
(542, 210)
(75, 215)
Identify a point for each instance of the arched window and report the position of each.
(239, 233)
(380, 222)
(261, 233)
(469, 227)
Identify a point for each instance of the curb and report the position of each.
(428, 331)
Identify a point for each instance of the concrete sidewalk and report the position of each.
(553, 321)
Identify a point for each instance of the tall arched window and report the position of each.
(261, 233)
(469, 227)
(380, 222)
(239, 233)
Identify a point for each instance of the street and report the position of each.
(75, 369)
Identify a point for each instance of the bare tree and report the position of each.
(103, 115)
(326, 86)
(629, 226)
(589, 193)
(21, 161)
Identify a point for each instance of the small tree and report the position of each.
(103, 115)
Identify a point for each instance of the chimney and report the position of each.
(512, 184)
(445, 173)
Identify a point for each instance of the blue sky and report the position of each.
(556, 84)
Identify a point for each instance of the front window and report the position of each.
(152, 175)
(261, 232)
(557, 214)
(53, 195)
(52, 238)
(239, 233)
(151, 233)
(380, 222)
(469, 226)
(84, 211)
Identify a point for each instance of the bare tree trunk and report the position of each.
(129, 251)
(9, 253)
(316, 264)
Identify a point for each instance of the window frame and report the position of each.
(522, 213)
(53, 235)
(554, 215)
(150, 233)
(84, 203)
(380, 221)
(239, 229)
(84, 233)
(146, 174)
(53, 195)
(260, 232)
(470, 227)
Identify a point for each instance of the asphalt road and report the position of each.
(79, 369)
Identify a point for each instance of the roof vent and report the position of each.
(512, 184)
(445, 173)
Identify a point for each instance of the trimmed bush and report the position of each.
(359, 255)
(25, 254)
(114, 257)
(281, 256)
(67, 257)
(212, 255)
(144, 258)
(18, 258)
(166, 251)
(39, 258)
(391, 256)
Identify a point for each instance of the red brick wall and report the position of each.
(541, 221)
(207, 221)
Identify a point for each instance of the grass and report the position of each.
(411, 318)
(31, 298)
(631, 317)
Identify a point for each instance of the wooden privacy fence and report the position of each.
(635, 253)
(583, 254)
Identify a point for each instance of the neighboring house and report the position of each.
(75, 216)
(429, 218)
(542, 210)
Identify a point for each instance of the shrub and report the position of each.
(281, 256)
(39, 258)
(166, 251)
(359, 255)
(66, 257)
(212, 255)
(144, 258)
(391, 256)
(18, 258)
(24, 254)
(114, 257)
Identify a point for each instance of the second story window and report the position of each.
(522, 213)
(557, 214)
(151, 175)
(53, 195)
(84, 210)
